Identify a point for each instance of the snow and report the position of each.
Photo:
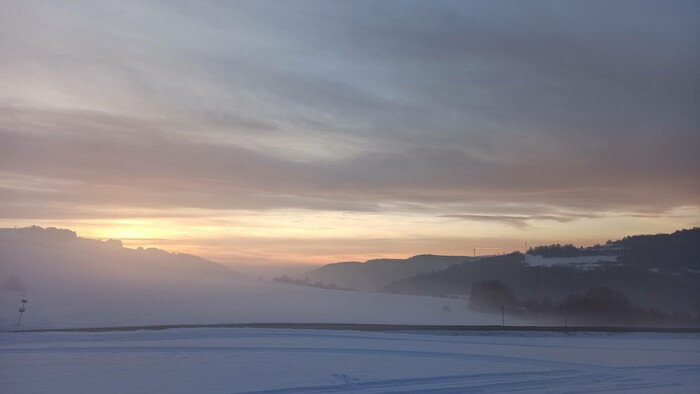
(317, 361)
(231, 300)
(578, 261)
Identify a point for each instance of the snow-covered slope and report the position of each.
(75, 282)
(576, 261)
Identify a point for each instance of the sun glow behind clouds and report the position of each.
(134, 230)
(303, 236)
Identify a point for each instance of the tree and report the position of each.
(602, 305)
(490, 295)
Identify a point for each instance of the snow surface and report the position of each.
(230, 300)
(318, 361)
(574, 261)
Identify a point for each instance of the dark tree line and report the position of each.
(558, 250)
(491, 295)
(305, 282)
(596, 306)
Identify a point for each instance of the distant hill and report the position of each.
(660, 271)
(675, 252)
(48, 255)
(374, 275)
(678, 251)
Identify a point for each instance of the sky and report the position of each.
(273, 132)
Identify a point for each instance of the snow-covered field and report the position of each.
(229, 300)
(318, 361)
(577, 261)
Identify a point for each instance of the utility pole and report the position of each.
(565, 322)
(21, 311)
(503, 315)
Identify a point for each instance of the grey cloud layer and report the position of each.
(111, 166)
(354, 105)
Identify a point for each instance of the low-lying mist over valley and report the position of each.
(76, 282)
(71, 281)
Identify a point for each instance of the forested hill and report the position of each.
(669, 252)
(373, 275)
(679, 251)
(660, 271)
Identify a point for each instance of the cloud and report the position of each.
(517, 221)
(437, 108)
(105, 160)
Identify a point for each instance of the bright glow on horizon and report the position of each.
(307, 237)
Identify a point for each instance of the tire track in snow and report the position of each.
(538, 382)
(306, 350)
